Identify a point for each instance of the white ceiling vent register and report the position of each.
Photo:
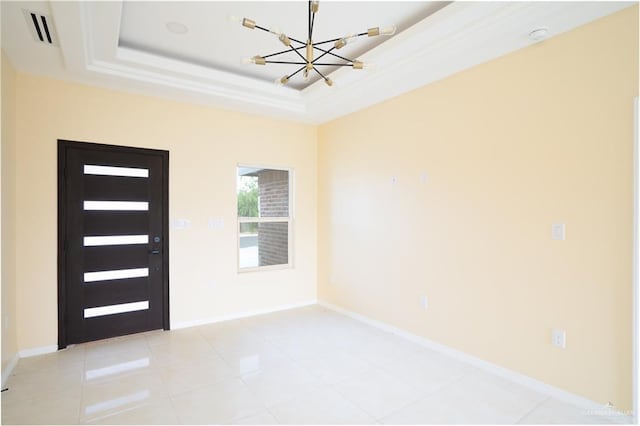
(41, 27)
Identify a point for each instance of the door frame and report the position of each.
(63, 146)
(636, 259)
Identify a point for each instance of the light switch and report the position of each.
(217, 223)
(181, 223)
(558, 231)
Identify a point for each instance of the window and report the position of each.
(264, 218)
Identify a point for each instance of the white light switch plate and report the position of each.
(216, 223)
(558, 231)
(181, 223)
(424, 302)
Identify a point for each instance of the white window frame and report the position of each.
(289, 220)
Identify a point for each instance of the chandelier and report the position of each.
(308, 62)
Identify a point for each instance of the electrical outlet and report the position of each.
(424, 302)
(423, 177)
(394, 180)
(559, 338)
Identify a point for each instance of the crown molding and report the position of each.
(456, 37)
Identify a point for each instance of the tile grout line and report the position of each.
(273, 415)
(535, 407)
(432, 394)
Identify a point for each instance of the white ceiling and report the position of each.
(213, 40)
(126, 46)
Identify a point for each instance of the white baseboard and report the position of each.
(185, 324)
(9, 369)
(26, 353)
(505, 373)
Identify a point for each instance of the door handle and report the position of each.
(154, 252)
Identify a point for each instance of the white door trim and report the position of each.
(636, 253)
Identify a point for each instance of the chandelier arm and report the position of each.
(285, 62)
(334, 65)
(299, 54)
(336, 39)
(314, 46)
(264, 29)
(325, 53)
(296, 40)
(313, 20)
(284, 51)
(327, 41)
(296, 49)
(321, 75)
(309, 19)
(291, 75)
(273, 32)
(333, 54)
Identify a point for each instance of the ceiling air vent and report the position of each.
(41, 27)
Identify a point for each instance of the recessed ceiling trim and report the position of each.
(459, 36)
(106, 57)
(221, 91)
(72, 34)
(456, 37)
(203, 74)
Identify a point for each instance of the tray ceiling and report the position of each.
(128, 46)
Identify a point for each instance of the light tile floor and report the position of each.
(302, 366)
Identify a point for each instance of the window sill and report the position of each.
(265, 268)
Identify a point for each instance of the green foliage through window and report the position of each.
(248, 200)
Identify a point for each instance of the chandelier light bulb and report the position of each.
(328, 81)
(282, 80)
(315, 5)
(305, 75)
(390, 30)
(246, 22)
(257, 60)
(352, 38)
(359, 65)
(284, 39)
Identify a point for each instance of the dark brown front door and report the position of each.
(113, 248)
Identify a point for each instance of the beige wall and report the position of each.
(205, 146)
(7, 166)
(542, 135)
